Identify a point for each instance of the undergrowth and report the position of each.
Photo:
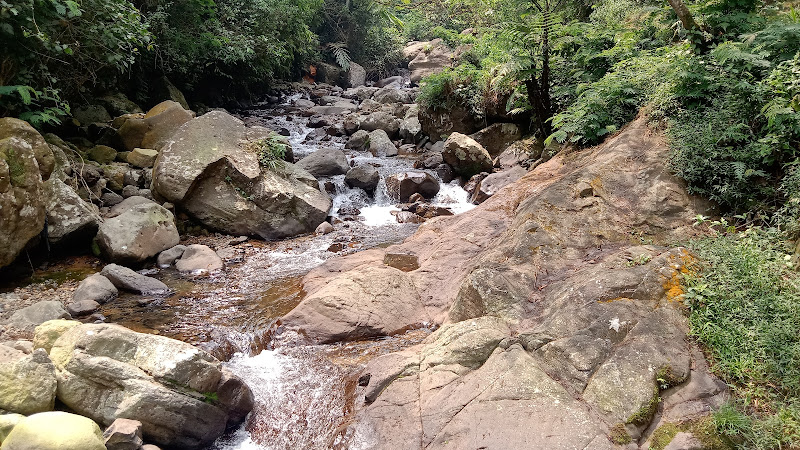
(745, 310)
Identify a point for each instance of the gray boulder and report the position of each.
(381, 120)
(356, 76)
(27, 382)
(403, 185)
(381, 145)
(211, 169)
(325, 162)
(107, 372)
(466, 156)
(142, 157)
(363, 176)
(496, 181)
(26, 319)
(128, 280)
(123, 434)
(433, 57)
(82, 308)
(411, 127)
(497, 137)
(199, 258)
(139, 229)
(389, 95)
(358, 140)
(70, 219)
(168, 257)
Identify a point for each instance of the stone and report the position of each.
(55, 430)
(317, 122)
(466, 156)
(169, 256)
(27, 382)
(325, 162)
(143, 157)
(150, 447)
(130, 191)
(324, 228)
(492, 183)
(7, 423)
(381, 120)
(198, 257)
(139, 229)
(118, 104)
(166, 90)
(433, 57)
(156, 128)
(162, 383)
(26, 160)
(70, 219)
(387, 294)
(403, 185)
(381, 145)
(440, 123)
(340, 107)
(209, 172)
(26, 319)
(389, 95)
(236, 397)
(497, 137)
(82, 308)
(86, 114)
(128, 280)
(395, 81)
(111, 198)
(411, 127)
(684, 441)
(364, 177)
(356, 75)
(102, 154)
(47, 333)
(408, 217)
(123, 434)
(401, 260)
(358, 140)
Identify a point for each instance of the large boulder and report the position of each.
(363, 176)
(381, 145)
(156, 128)
(411, 127)
(198, 257)
(389, 95)
(381, 120)
(211, 169)
(138, 230)
(26, 160)
(403, 185)
(7, 423)
(325, 162)
(70, 219)
(128, 280)
(466, 156)
(55, 430)
(107, 372)
(95, 288)
(27, 318)
(356, 76)
(27, 382)
(432, 58)
(439, 123)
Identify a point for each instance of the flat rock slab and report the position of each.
(128, 280)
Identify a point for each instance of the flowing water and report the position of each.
(301, 391)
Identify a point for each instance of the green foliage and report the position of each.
(271, 151)
(58, 48)
(464, 85)
(745, 308)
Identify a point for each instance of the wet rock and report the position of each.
(318, 122)
(363, 176)
(27, 382)
(26, 319)
(403, 185)
(139, 230)
(324, 228)
(404, 261)
(408, 217)
(236, 398)
(207, 171)
(128, 280)
(82, 308)
(348, 210)
(325, 162)
(496, 181)
(123, 434)
(161, 382)
(199, 258)
(387, 293)
(69, 218)
(445, 172)
(156, 128)
(358, 141)
(96, 288)
(497, 137)
(381, 145)
(168, 257)
(142, 157)
(381, 120)
(55, 430)
(466, 156)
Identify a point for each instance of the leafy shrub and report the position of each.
(745, 308)
(271, 151)
(464, 85)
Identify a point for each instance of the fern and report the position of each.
(340, 54)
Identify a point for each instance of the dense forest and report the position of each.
(719, 78)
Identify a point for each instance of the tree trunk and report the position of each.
(683, 14)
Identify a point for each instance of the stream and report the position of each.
(302, 392)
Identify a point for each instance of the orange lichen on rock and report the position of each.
(682, 266)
